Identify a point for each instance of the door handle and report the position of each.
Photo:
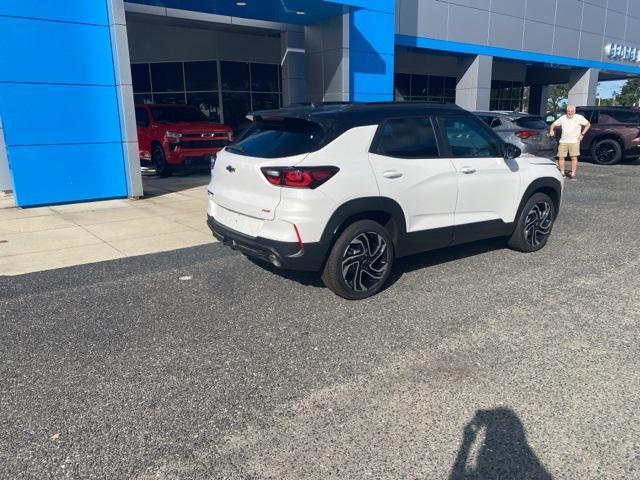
(392, 174)
(467, 170)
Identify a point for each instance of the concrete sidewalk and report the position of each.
(170, 216)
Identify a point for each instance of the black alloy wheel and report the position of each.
(360, 261)
(606, 152)
(538, 223)
(364, 262)
(534, 225)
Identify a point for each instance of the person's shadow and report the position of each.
(494, 446)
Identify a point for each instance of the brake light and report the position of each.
(301, 177)
(524, 134)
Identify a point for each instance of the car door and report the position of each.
(488, 185)
(144, 135)
(406, 160)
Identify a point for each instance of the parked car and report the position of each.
(344, 190)
(176, 136)
(614, 135)
(528, 132)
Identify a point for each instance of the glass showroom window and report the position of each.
(506, 95)
(247, 87)
(420, 88)
(223, 91)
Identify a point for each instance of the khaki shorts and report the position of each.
(570, 149)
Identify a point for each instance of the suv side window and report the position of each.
(407, 138)
(590, 115)
(619, 116)
(142, 117)
(467, 138)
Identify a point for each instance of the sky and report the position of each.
(606, 89)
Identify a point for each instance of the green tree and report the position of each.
(557, 97)
(630, 93)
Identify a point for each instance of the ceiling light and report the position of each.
(241, 4)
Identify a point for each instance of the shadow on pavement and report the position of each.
(494, 445)
(445, 255)
(401, 265)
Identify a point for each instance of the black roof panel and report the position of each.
(359, 113)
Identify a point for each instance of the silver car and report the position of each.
(528, 132)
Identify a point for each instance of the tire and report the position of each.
(534, 225)
(606, 152)
(360, 261)
(163, 169)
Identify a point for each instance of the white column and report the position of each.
(583, 84)
(124, 88)
(6, 185)
(294, 87)
(473, 90)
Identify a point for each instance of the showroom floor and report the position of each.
(170, 216)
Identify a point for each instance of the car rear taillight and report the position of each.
(524, 134)
(298, 177)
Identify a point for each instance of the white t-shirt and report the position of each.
(571, 127)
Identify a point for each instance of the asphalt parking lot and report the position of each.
(477, 362)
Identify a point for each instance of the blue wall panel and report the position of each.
(387, 6)
(372, 77)
(55, 52)
(40, 114)
(81, 11)
(371, 55)
(270, 10)
(66, 173)
(58, 101)
(372, 32)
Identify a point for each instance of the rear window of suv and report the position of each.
(279, 137)
(531, 122)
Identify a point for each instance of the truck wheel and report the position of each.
(606, 152)
(163, 169)
(534, 224)
(360, 261)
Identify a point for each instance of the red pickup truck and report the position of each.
(178, 136)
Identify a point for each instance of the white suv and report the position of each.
(346, 189)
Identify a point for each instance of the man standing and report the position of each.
(574, 127)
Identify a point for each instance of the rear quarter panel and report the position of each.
(311, 210)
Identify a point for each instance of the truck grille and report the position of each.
(204, 143)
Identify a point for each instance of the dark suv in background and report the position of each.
(614, 135)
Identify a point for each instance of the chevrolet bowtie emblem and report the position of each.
(230, 169)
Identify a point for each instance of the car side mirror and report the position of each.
(511, 151)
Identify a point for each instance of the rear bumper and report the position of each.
(285, 255)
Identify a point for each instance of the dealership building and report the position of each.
(72, 70)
